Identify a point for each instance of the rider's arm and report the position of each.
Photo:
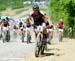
(30, 20)
(48, 19)
(10, 23)
(1, 24)
(57, 24)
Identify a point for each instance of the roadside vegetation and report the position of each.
(64, 9)
(14, 4)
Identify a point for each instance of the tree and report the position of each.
(63, 9)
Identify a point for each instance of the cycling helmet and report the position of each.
(61, 19)
(7, 18)
(20, 23)
(3, 20)
(35, 7)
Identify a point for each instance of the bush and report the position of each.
(17, 7)
(14, 4)
(1, 9)
(65, 34)
(74, 32)
(63, 9)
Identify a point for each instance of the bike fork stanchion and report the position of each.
(22, 37)
(7, 36)
(28, 37)
(0, 35)
(60, 36)
(3, 36)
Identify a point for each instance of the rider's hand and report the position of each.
(34, 25)
(51, 26)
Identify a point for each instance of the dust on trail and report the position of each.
(57, 51)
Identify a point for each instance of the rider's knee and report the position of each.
(36, 33)
(45, 31)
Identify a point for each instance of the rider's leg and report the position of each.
(4, 33)
(36, 32)
(47, 33)
(28, 34)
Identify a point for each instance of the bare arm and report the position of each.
(48, 19)
(1, 24)
(10, 23)
(30, 20)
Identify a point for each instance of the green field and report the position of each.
(14, 4)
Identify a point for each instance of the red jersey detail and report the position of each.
(60, 24)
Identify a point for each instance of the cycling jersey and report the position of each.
(21, 25)
(15, 27)
(60, 24)
(5, 23)
(38, 19)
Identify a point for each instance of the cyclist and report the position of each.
(21, 26)
(22, 31)
(60, 24)
(8, 20)
(28, 29)
(39, 17)
(6, 24)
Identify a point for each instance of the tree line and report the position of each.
(64, 9)
(14, 4)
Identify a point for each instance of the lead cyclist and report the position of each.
(37, 18)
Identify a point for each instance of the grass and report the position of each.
(14, 4)
(0, 13)
(24, 16)
(19, 11)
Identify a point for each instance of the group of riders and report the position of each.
(37, 19)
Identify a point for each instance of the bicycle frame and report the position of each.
(60, 34)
